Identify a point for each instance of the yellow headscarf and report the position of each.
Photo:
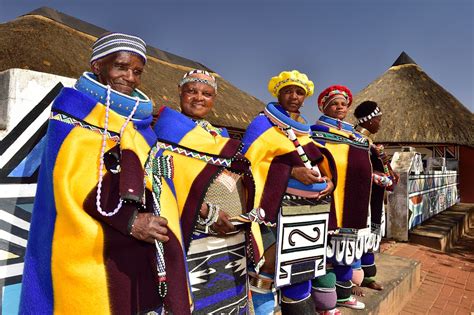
(293, 77)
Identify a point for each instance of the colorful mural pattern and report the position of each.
(20, 157)
(429, 194)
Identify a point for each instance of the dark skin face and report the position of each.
(196, 99)
(121, 70)
(373, 125)
(337, 108)
(291, 98)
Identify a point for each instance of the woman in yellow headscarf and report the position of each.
(289, 169)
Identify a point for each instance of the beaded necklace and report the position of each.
(288, 126)
(102, 153)
(208, 127)
(154, 167)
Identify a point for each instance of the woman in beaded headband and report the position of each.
(211, 191)
(335, 101)
(369, 117)
(197, 91)
(352, 194)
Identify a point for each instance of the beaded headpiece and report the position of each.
(188, 77)
(115, 42)
(366, 111)
(333, 92)
(286, 78)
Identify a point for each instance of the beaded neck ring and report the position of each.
(102, 153)
(288, 126)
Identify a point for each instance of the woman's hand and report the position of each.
(328, 190)
(305, 175)
(148, 228)
(223, 224)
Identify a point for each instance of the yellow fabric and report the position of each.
(186, 169)
(270, 144)
(78, 241)
(286, 78)
(78, 238)
(339, 153)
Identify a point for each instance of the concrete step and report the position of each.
(443, 230)
(400, 278)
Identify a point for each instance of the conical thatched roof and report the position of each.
(415, 108)
(49, 41)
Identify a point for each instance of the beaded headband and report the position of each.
(115, 42)
(332, 95)
(187, 78)
(276, 88)
(375, 113)
(333, 92)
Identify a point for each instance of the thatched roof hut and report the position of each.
(49, 41)
(416, 109)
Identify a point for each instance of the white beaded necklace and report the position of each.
(102, 153)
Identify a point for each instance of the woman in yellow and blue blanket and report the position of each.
(98, 230)
(279, 158)
(352, 194)
(213, 186)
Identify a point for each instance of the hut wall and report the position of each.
(25, 105)
(466, 174)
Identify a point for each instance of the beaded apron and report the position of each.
(217, 265)
(301, 239)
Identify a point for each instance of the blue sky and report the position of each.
(333, 41)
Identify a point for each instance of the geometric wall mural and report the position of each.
(429, 194)
(20, 157)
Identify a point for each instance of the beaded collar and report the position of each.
(119, 102)
(298, 116)
(363, 131)
(335, 123)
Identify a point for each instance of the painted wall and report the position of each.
(429, 194)
(419, 195)
(25, 104)
(466, 174)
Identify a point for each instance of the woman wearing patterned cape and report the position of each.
(369, 116)
(352, 194)
(213, 186)
(95, 243)
(279, 158)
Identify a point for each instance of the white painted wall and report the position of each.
(20, 91)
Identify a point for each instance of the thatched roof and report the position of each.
(49, 41)
(415, 108)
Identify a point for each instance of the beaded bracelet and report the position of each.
(212, 216)
(132, 223)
